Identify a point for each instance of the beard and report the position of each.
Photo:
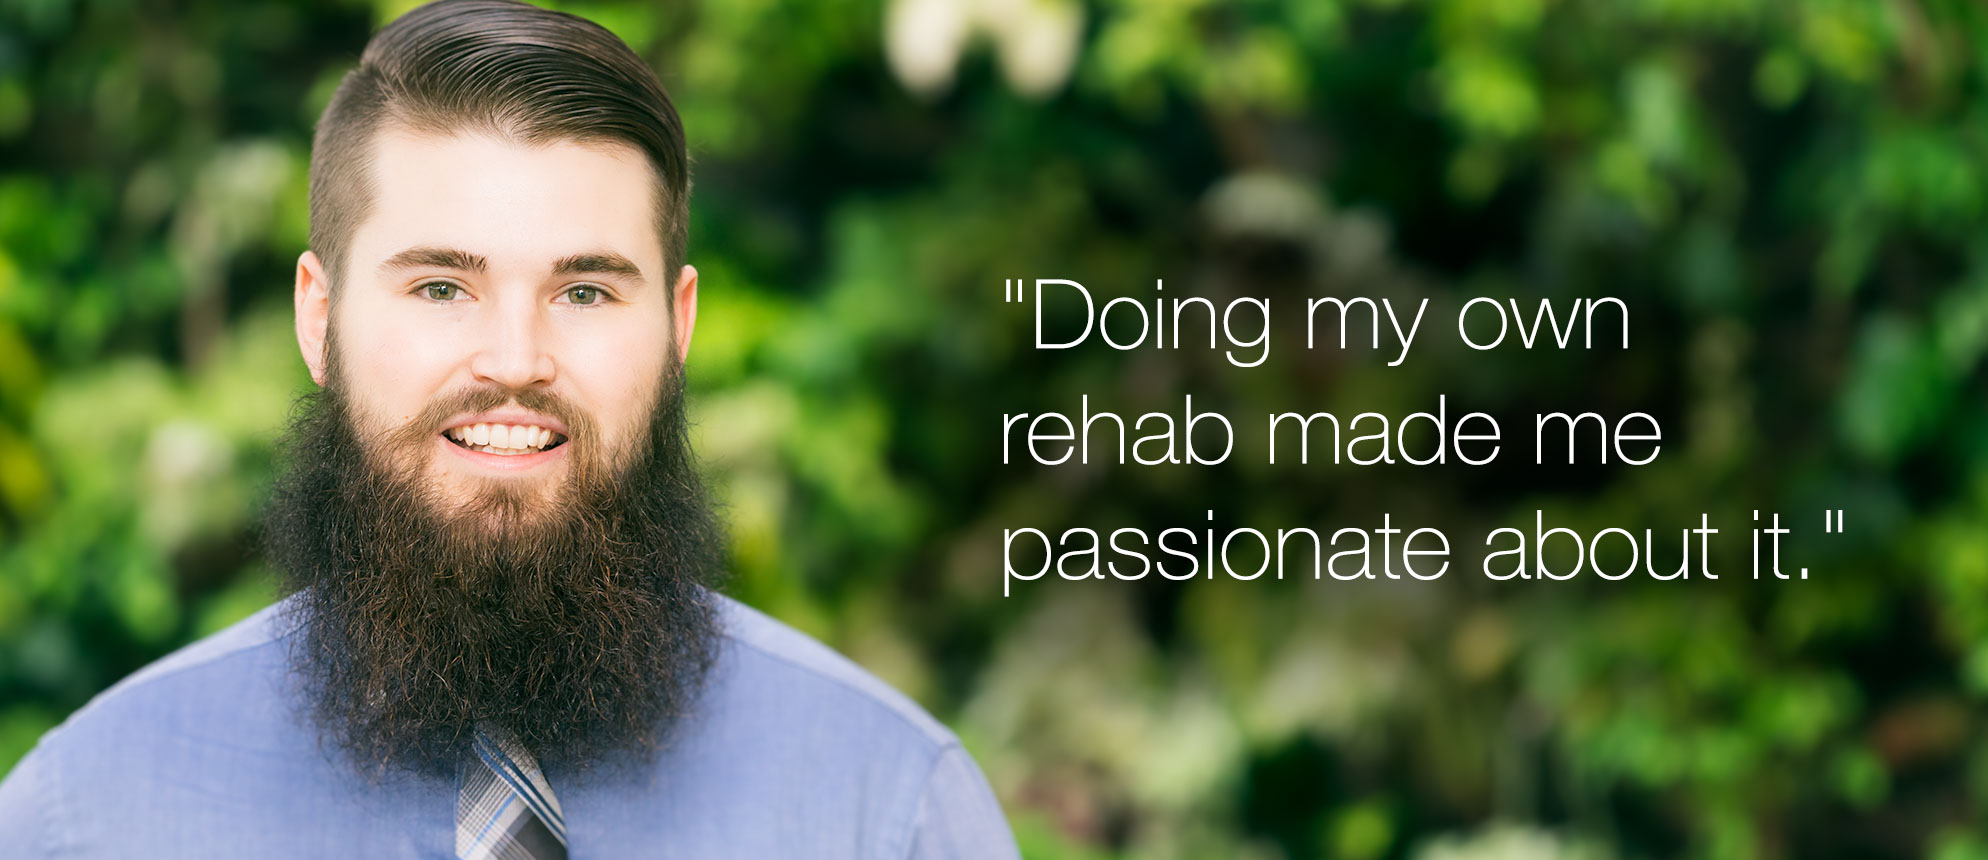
(581, 620)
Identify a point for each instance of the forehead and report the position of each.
(520, 205)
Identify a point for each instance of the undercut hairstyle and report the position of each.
(497, 67)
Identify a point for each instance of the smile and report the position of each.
(504, 440)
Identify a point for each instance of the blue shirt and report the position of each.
(793, 751)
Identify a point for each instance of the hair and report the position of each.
(584, 622)
(499, 67)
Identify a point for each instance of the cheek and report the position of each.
(392, 369)
(615, 379)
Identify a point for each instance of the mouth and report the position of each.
(505, 440)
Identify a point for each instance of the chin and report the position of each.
(495, 502)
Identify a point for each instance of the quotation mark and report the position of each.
(1011, 290)
(1832, 521)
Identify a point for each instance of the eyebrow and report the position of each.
(439, 258)
(589, 263)
(598, 263)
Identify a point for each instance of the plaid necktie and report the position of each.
(506, 810)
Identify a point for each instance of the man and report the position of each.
(501, 639)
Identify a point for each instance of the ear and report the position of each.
(313, 302)
(686, 310)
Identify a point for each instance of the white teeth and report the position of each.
(502, 438)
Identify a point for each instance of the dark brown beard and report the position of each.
(582, 622)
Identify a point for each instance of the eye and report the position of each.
(584, 295)
(441, 291)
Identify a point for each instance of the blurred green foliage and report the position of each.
(1791, 195)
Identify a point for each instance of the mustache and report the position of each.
(430, 420)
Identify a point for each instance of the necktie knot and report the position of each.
(506, 809)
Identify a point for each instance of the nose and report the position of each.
(513, 347)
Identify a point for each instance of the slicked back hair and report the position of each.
(497, 67)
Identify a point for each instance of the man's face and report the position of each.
(490, 267)
(549, 577)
